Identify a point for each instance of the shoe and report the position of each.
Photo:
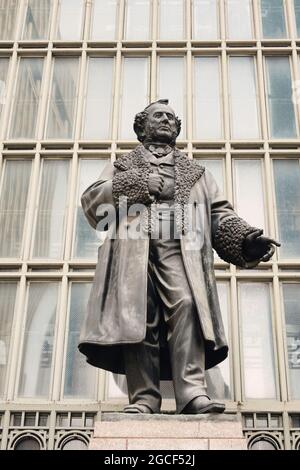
(203, 404)
(137, 408)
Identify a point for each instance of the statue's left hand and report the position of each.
(256, 246)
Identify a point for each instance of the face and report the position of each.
(160, 125)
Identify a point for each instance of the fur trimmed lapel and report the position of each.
(187, 172)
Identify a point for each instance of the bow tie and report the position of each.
(159, 150)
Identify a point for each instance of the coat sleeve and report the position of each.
(228, 229)
(98, 193)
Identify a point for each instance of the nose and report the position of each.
(165, 118)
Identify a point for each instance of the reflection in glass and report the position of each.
(243, 98)
(218, 378)
(104, 17)
(249, 204)
(205, 19)
(37, 354)
(257, 340)
(8, 16)
(291, 300)
(239, 19)
(51, 212)
(135, 94)
(86, 239)
(37, 19)
(171, 19)
(4, 62)
(13, 204)
(8, 292)
(137, 20)
(27, 99)
(97, 121)
(207, 99)
(80, 378)
(279, 94)
(171, 84)
(273, 19)
(287, 192)
(70, 20)
(61, 113)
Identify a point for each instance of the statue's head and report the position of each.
(157, 123)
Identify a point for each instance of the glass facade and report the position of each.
(69, 91)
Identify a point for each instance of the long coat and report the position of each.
(117, 308)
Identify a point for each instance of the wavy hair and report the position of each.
(140, 119)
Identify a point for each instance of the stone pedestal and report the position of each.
(119, 431)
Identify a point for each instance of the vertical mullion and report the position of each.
(29, 226)
(72, 198)
(60, 332)
(280, 340)
(46, 89)
(20, 319)
(81, 77)
(10, 94)
(237, 386)
(188, 64)
(15, 337)
(291, 20)
(222, 21)
(20, 19)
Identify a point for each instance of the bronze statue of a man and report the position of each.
(153, 312)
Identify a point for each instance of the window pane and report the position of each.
(4, 62)
(205, 19)
(13, 204)
(257, 340)
(51, 212)
(8, 15)
(243, 98)
(37, 353)
(86, 240)
(70, 20)
(297, 15)
(135, 95)
(218, 378)
(80, 378)
(8, 292)
(216, 167)
(273, 21)
(291, 299)
(63, 98)
(97, 122)
(279, 92)
(239, 19)
(137, 19)
(249, 204)
(37, 19)
(207, 99)
(287, 192)
(171, 24)
(104, 17)
(27, 98)
(172, 86)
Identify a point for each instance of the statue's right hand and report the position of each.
(155, 184)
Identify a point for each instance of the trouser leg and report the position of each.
(142, 359)
(185, 340)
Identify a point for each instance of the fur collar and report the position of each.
(187, 172)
